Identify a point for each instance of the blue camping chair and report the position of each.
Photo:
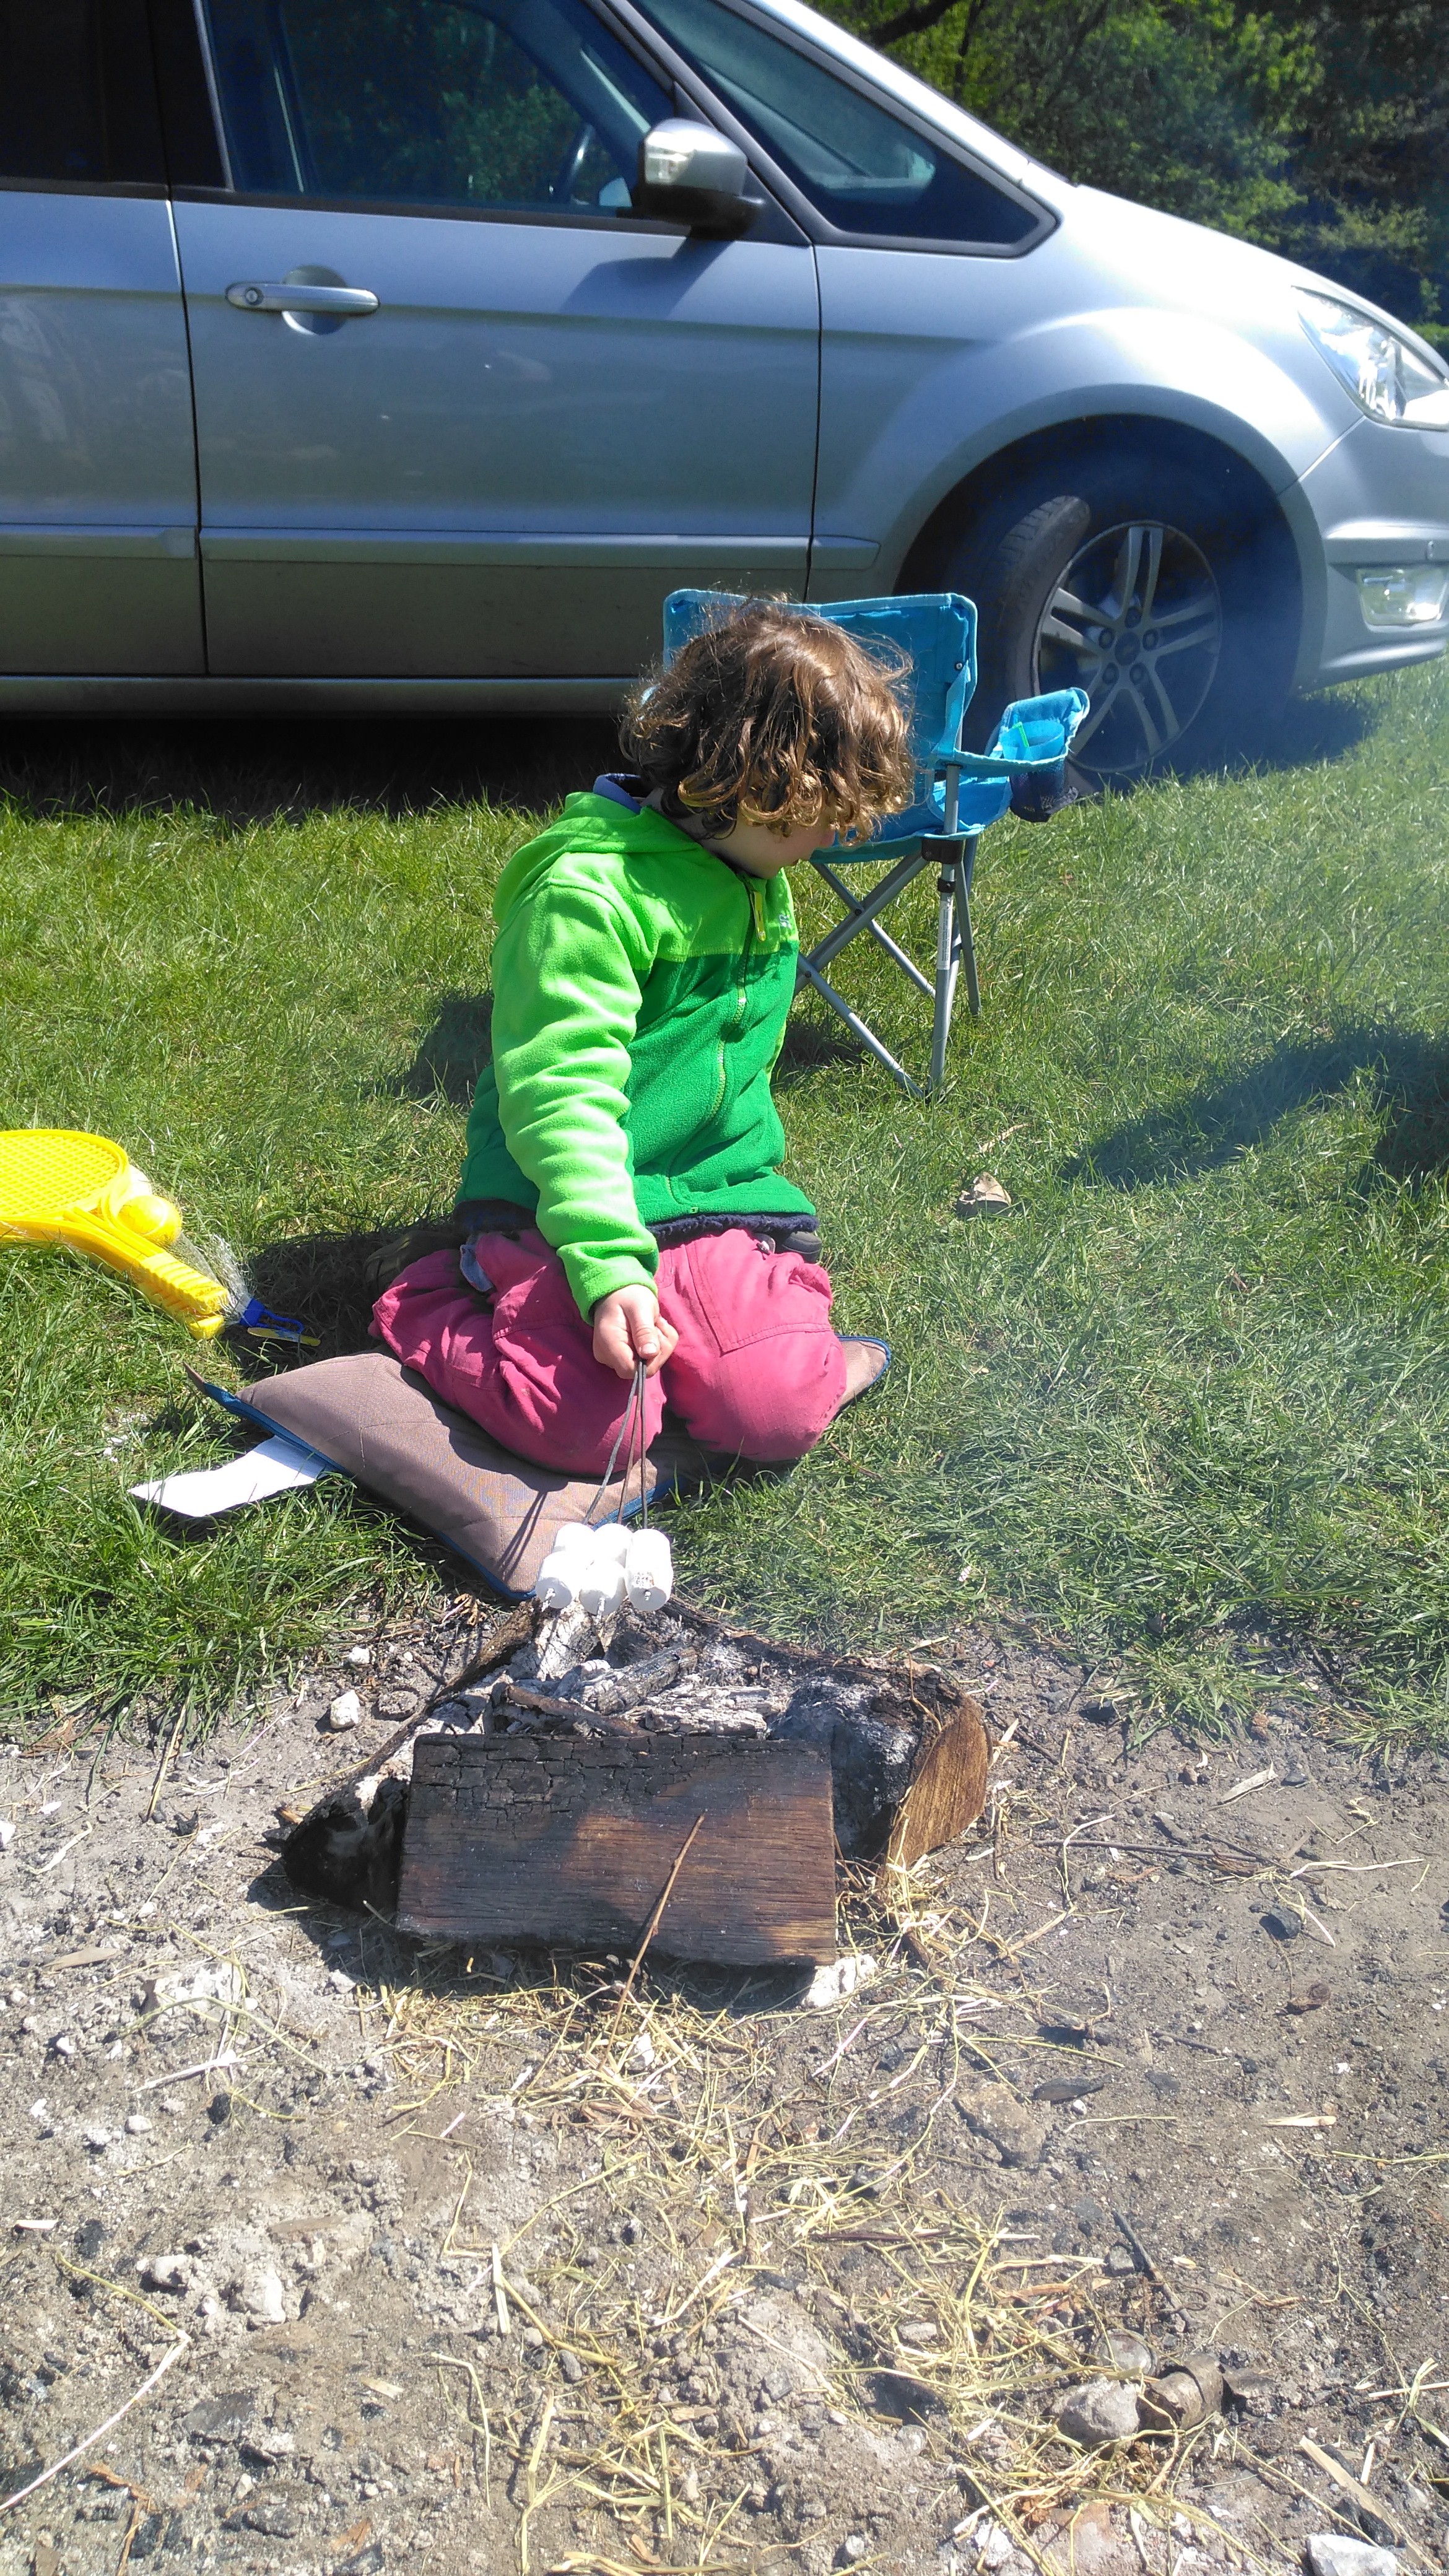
(957, 794)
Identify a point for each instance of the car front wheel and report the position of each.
(1175, 611)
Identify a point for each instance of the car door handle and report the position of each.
(302, 299)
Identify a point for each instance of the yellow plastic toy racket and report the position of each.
(58, 1185)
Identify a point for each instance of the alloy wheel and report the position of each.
(1137, 622)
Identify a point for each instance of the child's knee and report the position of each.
(758, 1371)
(518, 1362)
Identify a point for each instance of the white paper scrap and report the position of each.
(275, 1466)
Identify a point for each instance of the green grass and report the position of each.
(1192, 1392)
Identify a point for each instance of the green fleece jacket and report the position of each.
(640, 991)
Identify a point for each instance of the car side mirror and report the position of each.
(689, 174)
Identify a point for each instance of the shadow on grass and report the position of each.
(263, 772)
(809, 1045)
(1312, 730)
(323, 1278)
(451, 1053)
(1408, 1071)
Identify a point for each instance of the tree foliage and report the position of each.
(1318, 127)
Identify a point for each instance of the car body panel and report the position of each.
(1345, 492)
(480, 494)
(97, 466)
(925, 379)
(543, 428)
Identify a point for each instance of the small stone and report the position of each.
(1332, 2553)
(137, 2125)
(94, 2136)
(262, 2298)
(345, 1711)
(398, 1704)
(222, 2419)
(831, 1985)
(1067, 2088)
(1282, 1927)
(993, 2112)
(7, 1833)
(1099, 2411)
(275, 2519)
(62, 2045)
(1184, 2395)
(1251, 2391)
(996, 2551)
(1125, 2351)
(854, 2548)
(358, 1656)
(166, 2272)
(572, 2368)
(985, 1197)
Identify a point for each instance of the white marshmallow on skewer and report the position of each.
(559, 1577)
(577, 1546)
(601, 1585)
(574, 1535)
(649, 1570)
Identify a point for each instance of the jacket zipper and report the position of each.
(755, 928)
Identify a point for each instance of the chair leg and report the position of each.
(948, 951)
(853, 1021)
(968, 938)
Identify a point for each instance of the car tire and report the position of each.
(1172, 604)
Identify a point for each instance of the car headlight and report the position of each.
(1387, 376)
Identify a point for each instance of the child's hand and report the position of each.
(628, 1327)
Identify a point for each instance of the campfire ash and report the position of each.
(672, 1673)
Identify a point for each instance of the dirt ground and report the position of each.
(409, 2256)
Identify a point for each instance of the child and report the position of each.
(622, 1178)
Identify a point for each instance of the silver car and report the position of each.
(403, 354)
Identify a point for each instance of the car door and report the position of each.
(98, 568)
(918, 245)
(530, 414)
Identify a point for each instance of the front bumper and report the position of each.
(1377, 501)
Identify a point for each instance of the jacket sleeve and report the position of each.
(568, 971)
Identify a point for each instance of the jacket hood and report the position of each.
(594, 826)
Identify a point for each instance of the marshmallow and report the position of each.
(649, 1570)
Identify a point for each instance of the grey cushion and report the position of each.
(376, 1421)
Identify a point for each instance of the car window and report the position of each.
(76, 100)
(519, 105)
(864, 167)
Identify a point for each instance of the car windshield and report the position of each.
(864, 168)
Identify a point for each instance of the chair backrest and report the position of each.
(935, 630)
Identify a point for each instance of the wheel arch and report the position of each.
(974, 515)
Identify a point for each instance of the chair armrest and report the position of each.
(1037, 733)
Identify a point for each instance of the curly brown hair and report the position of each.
(774, 716)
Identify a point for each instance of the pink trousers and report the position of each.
(757, 1372)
